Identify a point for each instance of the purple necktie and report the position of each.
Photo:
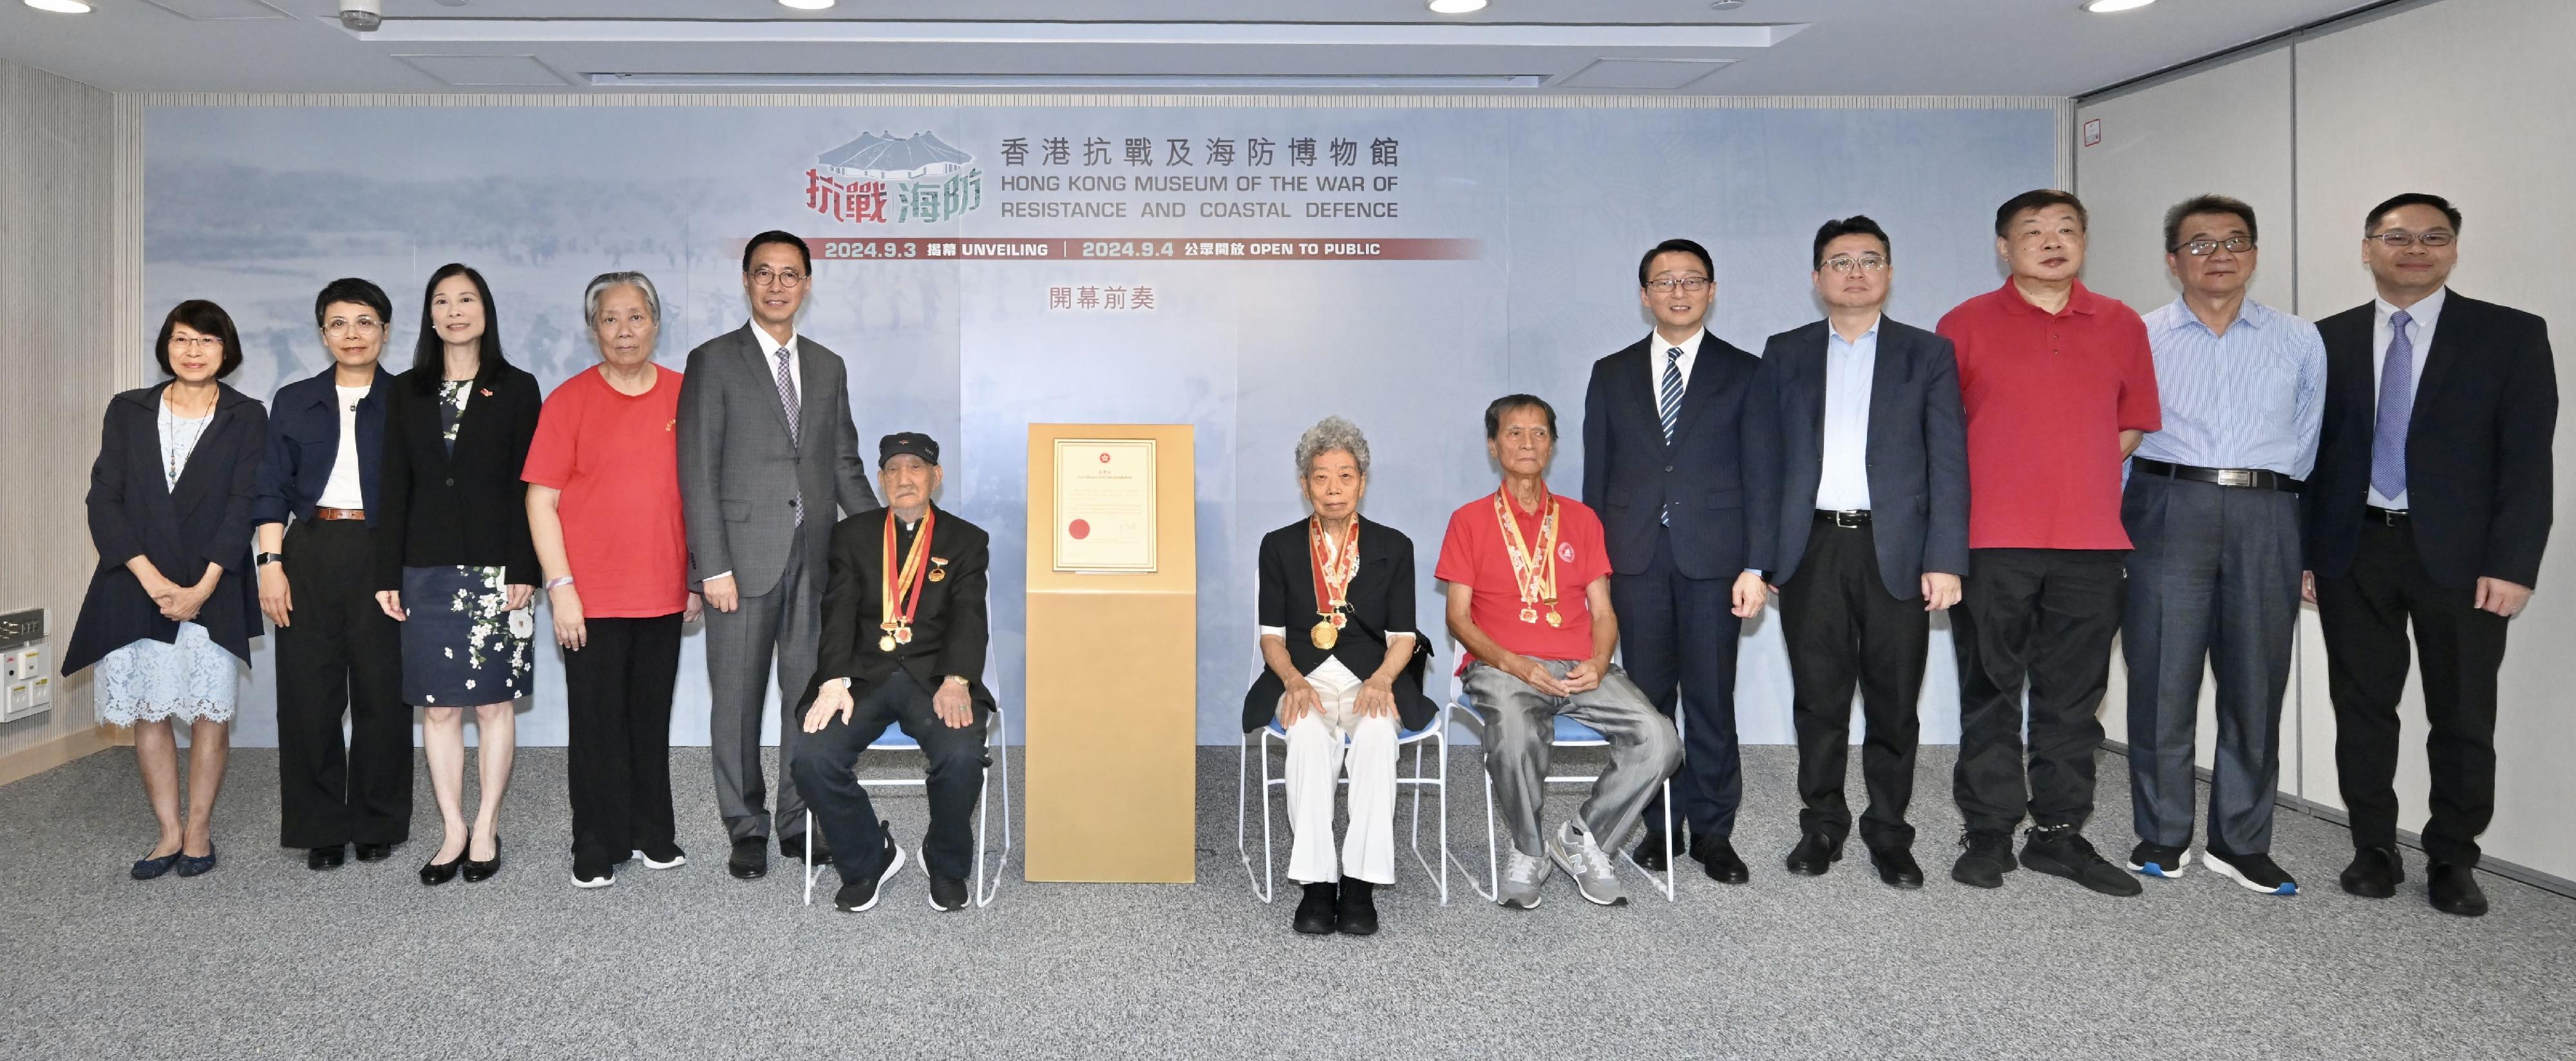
(2396, 408)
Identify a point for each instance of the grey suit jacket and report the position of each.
(741, 474)
(1916, 454)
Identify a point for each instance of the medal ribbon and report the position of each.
(1333, 577)
(1536, 576)
(904, 584)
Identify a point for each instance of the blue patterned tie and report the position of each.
(1671, 406)
(2396, 410)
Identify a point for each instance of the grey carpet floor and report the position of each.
(263, 958)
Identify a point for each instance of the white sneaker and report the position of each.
(1572, 848)
(1522, 874)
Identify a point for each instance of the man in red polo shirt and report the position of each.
(1529, 599)
(2058, 386)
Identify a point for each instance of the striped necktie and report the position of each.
(1672, 398)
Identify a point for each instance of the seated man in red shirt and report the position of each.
(1536, 652)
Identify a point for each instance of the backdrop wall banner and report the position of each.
(1246, 270)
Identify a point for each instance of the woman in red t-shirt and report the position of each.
(604, 506)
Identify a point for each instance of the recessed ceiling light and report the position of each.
(807, 5)
(1456, 7)
(2105, 7)
(1726, 5)
(60, 7)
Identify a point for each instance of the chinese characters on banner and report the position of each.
(1176, 151)
(1087, 297)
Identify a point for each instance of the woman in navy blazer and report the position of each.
(168, 618)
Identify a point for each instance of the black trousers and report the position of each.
(2365, 614)
(2041, 619)
(1844, 629)
(339, 655)
(617, 713)
(824, 769)
(1677, 638)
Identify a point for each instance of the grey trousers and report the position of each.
(784, 624)
(1520, 731)
(2213, 575)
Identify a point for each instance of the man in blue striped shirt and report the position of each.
(2212, 512)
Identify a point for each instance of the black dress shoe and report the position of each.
(326, 857)
(1649, 855)
(1717, 856)
(2454, 889)
(2374, 873)
(750, 859)
(1814, 854)
(1315, 911)
(436, 873)
(1355, 909)
(1897, 867)
(794, 847)
(483, 869)
(375, 852)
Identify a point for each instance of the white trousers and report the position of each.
(1315, 756)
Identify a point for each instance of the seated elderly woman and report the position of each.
(1336, 604)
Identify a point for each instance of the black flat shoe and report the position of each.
(2454, 889)
(1717, 856)
(2374, 873)
(1814, 854)
(148, 868)
(1897, 867)
(750, 859)
(322, 858)
(1649, 855)
(437, 873)
(1355, 909)
(1315, 911)
(194, 866)
(375, 852)
(483, 870)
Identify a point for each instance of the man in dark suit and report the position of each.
(903, 642)
(2429, 505)
(1873, 538)
(1676, 461)
(767, 451)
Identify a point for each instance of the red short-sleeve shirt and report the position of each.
(616, 458)
(2047, 396)
(1472, 554)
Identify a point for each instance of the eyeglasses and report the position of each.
(1843, 263)
(766, 277)
(339, 326)
(2202, 248)
(2403, 238)
(1665, 285)
(198, 342)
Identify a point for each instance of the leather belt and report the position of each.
(1850, 517)
(2394, 517)
(339, 513)
(2251, 478)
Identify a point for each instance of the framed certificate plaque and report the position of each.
(1105, 506)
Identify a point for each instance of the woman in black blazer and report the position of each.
(1314, 656)
(454, 562)
(168, 618)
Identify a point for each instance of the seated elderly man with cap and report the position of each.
(904, 631)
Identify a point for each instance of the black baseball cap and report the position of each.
(912, 442)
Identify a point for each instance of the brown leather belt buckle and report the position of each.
(339, 513)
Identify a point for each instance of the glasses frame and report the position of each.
(783, 279)
(2400, 238)
(1844, 263)
(2202, 248)
(1664, 285)
(360, 326)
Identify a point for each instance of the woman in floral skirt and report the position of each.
(454, 562)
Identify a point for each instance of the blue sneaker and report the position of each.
(2157, 860)
(2255, 872)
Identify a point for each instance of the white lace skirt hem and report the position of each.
(148, 681)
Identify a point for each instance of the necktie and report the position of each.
(2396, 410)
(787, 397)
(1672, 398)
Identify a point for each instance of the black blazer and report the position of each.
(206, 519)
(949, 632)
(2477, 450)
(1381, 598)
(467, 510)
(1916, 454)
(304, 442)
(1716, 473)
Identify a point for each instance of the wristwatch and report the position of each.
(265, 559)
(957, 679)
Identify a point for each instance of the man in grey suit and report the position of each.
(1873, 538)
(767, 449)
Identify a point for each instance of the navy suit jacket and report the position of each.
(2477, 450)
(133, 511)
(1916, 454)
(304, 441)
(1716, 473)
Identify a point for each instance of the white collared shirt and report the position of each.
(769, 356)
(1659, 352)
(2420, 320)
(1843, 480)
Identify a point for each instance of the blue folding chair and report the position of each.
(1569, 734)
(1263, 883)
(996, 740)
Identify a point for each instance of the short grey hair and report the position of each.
(1329, 434)
(599, 286)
